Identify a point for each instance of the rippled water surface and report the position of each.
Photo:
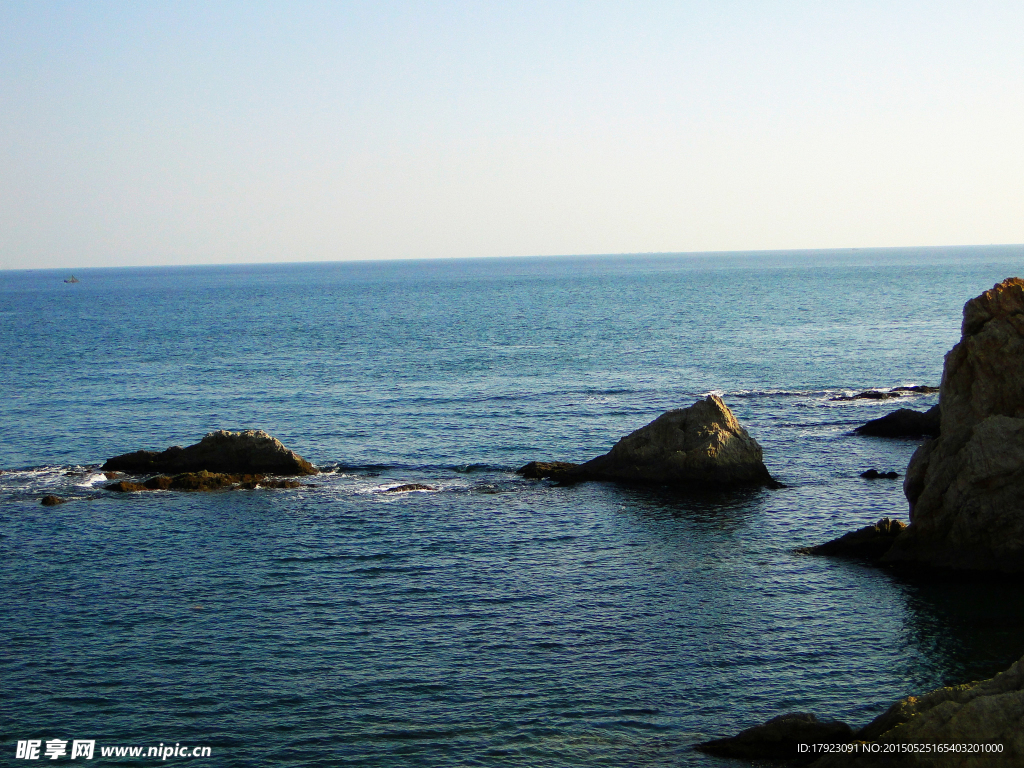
(491, 620)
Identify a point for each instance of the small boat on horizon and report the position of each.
(72, 279)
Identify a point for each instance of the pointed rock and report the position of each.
(699, 446)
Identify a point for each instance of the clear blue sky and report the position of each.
(136, 133)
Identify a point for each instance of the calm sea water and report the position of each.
(494, 621)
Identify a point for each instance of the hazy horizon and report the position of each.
(162, 134)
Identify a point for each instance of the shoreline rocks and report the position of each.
(702, 446)
(247, 452)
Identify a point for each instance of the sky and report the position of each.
(146, 133)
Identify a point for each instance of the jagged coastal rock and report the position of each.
(966, 487)
(905, 422)
(700, 446)
(248, 452)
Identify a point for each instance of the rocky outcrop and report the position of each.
(988, 712)
(201, 481)
(869, 542)
(699, 446)
(52, 501)
(248, 452)
(905, 422)
(966, 487)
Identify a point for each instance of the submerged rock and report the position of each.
(126, 486)
(874, 474)
(905, 422)
(409, 487)
(248, 452)
(201, 481)
(52, 501)
(702, 445)
(869, 542)
(554, 470)
(871, 394)
(779, 738)
(966, 487)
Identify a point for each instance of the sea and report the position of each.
(487, 620)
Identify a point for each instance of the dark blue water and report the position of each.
(494, 621)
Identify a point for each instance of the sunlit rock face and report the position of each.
(703, 445)
(966, 487)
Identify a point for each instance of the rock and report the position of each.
(966, 487)
(555, 470)
(874, 474)
(699, 446)
(986, 712)
(248, 452)
(871, 394)
(869, 542)
(702, 446)
(113, 475)
(208, 481)
(905, 422)
(920, 389)
(52, 501)
(409, 487)
(281, 484)
(202, 481)
(778, 738)
(125, 486)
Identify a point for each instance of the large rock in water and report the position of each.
(966, 487)
(702, 445)
(249, 452)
